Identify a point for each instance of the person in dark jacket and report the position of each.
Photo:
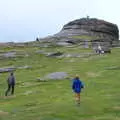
(77, 86)
(11, 84)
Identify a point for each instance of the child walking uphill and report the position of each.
(77, 86)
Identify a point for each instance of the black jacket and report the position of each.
(11, 80)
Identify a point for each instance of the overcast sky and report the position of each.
(24, 20)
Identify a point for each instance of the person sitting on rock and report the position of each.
(77, 86)
(11, 84)
(99, 49)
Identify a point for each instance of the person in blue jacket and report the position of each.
(77, 85)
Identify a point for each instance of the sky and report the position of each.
(24, 20)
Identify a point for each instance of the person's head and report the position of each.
(77, 77)
(11, 73)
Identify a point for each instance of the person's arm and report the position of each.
(73, 85)
(14, 79)
(82, 85)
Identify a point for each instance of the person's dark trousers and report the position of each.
(9, 88)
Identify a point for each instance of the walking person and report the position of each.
(77, 86)
(11, 84)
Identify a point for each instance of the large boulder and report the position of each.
(54, 76)
(57, 75)
(85, 32)
(90, 27)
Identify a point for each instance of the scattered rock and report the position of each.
(57, 75)
(92, 74)
(40, 51)
(113, 68)
(9, 54)
(79, 55)
(53, 76)
(55, 54)
(10, 69)
(3, 113)
(24, 67)
(63, 43)
(73, 55)
(116, 108)
(41, 80)
(71, 60)
(106, 50)
(28, 92)
(13, 54)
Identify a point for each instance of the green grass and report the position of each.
(54, 100)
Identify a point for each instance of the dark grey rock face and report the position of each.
(87, 33)
(92, 27)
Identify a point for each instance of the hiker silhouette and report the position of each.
(11, 84)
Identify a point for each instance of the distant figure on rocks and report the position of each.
(77, 86)
(99, 49)
(11, 84)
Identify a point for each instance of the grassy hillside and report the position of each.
(54, 99)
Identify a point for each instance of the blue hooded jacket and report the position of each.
(77, 85)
